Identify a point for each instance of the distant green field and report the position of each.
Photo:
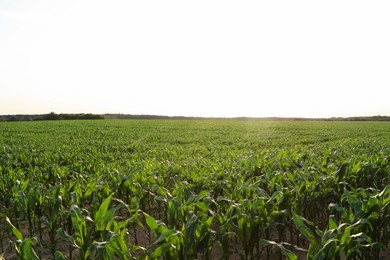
(196, 189)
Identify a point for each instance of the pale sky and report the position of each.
(196, 58)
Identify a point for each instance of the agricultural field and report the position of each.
(196, 189)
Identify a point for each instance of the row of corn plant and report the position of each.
(194, 190)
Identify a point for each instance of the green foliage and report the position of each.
(144, 189)
(23, 246)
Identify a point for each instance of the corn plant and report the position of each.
(194, 189)
(167, 243)
(23, 246)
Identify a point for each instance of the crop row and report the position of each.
(194, 190)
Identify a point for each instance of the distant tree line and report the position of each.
(54, 116)
(50, 116)
(361, 118)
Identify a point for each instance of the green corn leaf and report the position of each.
(102, 209)
(15, 231)
(64, 236)
(361, 222)
(332, 222)
(276, 194)
(361, 237)
(24, 185)
(373, 202)
(289, 254)
(27, 250)
(160, 251)
(305, 231)
(341, 172)
(59, 256)
(205, 226)
(99, 245)
(345, 238)
(151, 222)
(328, 249)
(167, 234)
(201, 205)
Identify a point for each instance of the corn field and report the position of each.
(197, 189)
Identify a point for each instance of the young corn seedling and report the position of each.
(23, 246)
(196, 237)
(82, 236)
(167, 244)
(52, 215)
(247, 224)
(224, 218)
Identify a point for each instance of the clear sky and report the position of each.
(196, 58)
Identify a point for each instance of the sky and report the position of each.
(217, 58)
